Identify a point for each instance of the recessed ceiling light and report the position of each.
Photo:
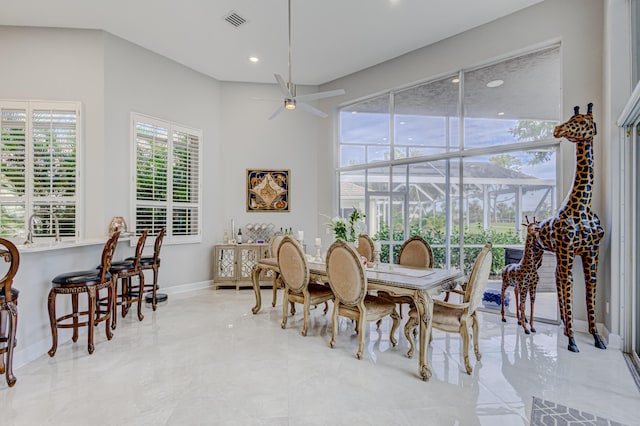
(402, 122)
(354, 112)
(495, 83)
(455, 80)
(254, 59)
(501, 113)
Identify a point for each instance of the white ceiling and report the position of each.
(331, 38)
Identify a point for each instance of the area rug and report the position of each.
(546, 413)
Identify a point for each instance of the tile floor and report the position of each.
(204, 359)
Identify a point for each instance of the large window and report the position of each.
(459, 160)
(167, 178)
(39, 144)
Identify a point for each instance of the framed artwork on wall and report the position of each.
(268, 190)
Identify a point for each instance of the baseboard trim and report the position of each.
(184, 288)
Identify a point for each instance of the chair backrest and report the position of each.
(107, 254)
(417, 252)
(365, 246)
(478, 278)
(347, 277)
(9, 252)
(158, 245)
(293, 266)
(274, 244)
(140, 247)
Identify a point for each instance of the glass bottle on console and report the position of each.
(239, 237)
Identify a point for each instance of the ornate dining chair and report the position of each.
(8, 309)
(365, 247)
(89, 282)
(415, 252)
(348, 281)
(153, 263)
(129, 293)
(298, 288)
(274, 244)
(458, 317)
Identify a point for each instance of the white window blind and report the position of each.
(38, 170)
(167, 178)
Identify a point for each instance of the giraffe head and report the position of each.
(579, 127)
(533, 227)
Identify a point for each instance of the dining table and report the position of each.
(418, 283)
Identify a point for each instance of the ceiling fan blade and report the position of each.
(276, 112)
(283, 86)
(309, 108)
(320, 95)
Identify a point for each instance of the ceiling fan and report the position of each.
(288, 89)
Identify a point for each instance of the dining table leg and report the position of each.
(424, 305)
(255, 279)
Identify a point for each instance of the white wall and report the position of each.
(578, 24)
(290, 141)
(66, 65)
(138, 80)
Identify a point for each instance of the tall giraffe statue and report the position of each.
(575, 229)
(523, 276)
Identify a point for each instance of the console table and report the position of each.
(233, 263)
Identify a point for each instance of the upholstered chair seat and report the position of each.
(14, 294)
(294, 272)
(415, 252)
(80, 277)
(365, 247)
(348, 282)
(458, 317)
(274, 244)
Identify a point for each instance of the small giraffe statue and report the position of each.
(523, 276)
(575, 229)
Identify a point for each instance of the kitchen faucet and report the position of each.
(32, 220)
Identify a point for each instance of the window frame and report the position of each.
(29, 199)
(169, 204)
(458, 154)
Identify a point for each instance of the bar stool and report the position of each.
(90, 282)
(8, 308)
(129, 294)
(153, 263)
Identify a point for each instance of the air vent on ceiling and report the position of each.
(234, 19)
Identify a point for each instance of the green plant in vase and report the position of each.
(348, 229)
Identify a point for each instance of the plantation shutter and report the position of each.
(38, 170)
(186, 182)
(13, 142)
(54, 136)
(167, 183)
(152, 143)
